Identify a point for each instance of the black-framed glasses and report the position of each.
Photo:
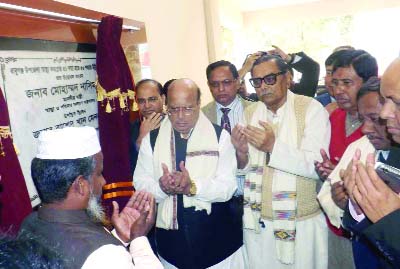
(225, 83)
(186, 111)
(269, 79)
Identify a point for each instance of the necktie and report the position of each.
(225, 123)
(381, 158)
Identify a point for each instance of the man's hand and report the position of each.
(339, 195)
(348, 177)
(165, 180)
(145, 222)
(239, 140)
(181, 180)
(147, 125)
(324, 168)
(261, 139)
(277, 51)
(374, 197)
(248, 64)
(122, 221)
(240, 143)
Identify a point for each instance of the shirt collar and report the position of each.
(231, 105)
(385, 154)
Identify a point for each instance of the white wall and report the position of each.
(176, 34)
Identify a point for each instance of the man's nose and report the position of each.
(337, 88)
(146, 103)
(386, 111)
(221, 86)
(367, 128)
(180, 113)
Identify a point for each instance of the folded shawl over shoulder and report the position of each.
(284, 185)
(201, 161)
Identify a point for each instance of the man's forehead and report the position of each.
(266, 67)
(369, 101)
(221, 70)
(147, 88)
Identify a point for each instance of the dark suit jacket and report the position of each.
(133, 152)
(309, 70)
(377, 245)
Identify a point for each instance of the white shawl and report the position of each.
(201, 162)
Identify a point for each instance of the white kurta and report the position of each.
(221, 186)
(220, 189)
(311, 248)
(112, 256)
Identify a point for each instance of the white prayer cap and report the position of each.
(68, 143)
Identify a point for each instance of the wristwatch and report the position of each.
(193, 188)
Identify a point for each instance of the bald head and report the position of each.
(391, 77)
(183, 100)
(390, 90)
(185, 84)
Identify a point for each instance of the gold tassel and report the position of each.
(135, 106)
(108, 107)
(100, 96)
(122, 102)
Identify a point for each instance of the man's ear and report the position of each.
(208, 84)
(289, 78)
(81, 186)
(237, 85)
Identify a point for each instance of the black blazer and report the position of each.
(309, 70)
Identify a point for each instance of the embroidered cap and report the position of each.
(68, 143)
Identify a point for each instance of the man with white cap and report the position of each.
(67, 173)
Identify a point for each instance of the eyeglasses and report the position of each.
(186, 111)
(269, 79)
(225, 83)
(152, 99)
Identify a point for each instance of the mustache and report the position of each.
(265, 92)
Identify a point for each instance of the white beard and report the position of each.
(95, 209)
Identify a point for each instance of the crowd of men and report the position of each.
(276, 180)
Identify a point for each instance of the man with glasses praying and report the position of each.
(189, 165)
(283, 223)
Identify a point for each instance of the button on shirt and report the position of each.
(235, 116)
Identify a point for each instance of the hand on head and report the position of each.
(277, 51)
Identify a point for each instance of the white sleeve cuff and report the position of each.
(354, 214)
